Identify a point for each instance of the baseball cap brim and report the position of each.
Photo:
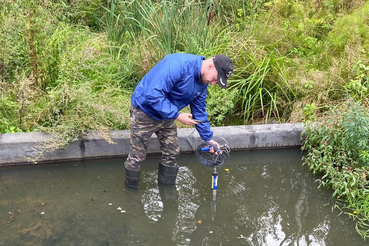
(222, 80)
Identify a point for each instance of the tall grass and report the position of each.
(260, 91)
(161, 27)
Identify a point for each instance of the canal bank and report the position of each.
(20, 148)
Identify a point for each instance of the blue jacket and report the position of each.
(171, 85)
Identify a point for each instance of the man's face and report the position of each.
(210, 75)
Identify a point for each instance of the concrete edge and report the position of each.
(20, 148)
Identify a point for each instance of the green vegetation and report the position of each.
(337, 148)
(293, 59)
(68, 67)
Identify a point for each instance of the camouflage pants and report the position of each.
(142, 128)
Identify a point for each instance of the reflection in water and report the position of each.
(185, 222)
(183, 196)
(152, 204)
(270, 232)
(301, 210)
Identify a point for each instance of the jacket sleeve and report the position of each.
(164, 77)
(198, 110)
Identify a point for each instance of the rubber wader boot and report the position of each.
(132, 178)
(167, 174)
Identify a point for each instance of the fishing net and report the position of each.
(210, 155)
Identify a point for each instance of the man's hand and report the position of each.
(212, 150)
(214, 142)
(186, 118)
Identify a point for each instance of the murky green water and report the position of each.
(266, 198)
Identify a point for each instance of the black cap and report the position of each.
(224, 68)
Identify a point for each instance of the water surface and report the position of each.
(266, 198)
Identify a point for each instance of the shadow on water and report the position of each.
(266, 198)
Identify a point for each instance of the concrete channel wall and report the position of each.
(18, 148)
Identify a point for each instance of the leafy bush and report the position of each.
(9, 121)
(358, 88)
(337, 148)
(220, 105)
